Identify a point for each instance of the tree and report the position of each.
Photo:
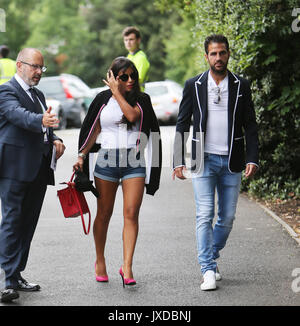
(17, 28)
(83, 37)
(263, 48)
(181, 52)
(60, 30)
(109, 18)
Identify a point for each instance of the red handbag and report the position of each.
(73, 203)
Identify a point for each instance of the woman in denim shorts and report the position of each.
(120, 120)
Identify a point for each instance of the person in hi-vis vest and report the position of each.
(7, 66)
(132, 40)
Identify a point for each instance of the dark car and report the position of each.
(73, 102)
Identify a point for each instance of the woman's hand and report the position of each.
(112, 82)
(79, 164)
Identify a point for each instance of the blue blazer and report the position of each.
(21, 135)
(242, 127)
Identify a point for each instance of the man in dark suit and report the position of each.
(223, 119)
(28, 150)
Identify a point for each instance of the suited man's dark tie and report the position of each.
(36, 101)
(39, 109)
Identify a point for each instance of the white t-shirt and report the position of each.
(113, 134)
(216, 137)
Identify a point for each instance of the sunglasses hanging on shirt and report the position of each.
(217, 97)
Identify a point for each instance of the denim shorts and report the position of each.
(119, 164)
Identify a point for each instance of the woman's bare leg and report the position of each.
(105, 205)
(133, 190)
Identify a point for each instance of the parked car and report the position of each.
(80, 89)
(57, 108)
(98, 90)
(165, 97)
(73, 94)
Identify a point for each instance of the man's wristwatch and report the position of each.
(82, 155)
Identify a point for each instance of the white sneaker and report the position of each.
(209, 281)
(218, 275)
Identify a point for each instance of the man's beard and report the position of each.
(220, 72)
(30, 81)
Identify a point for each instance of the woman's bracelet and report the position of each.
(82, 155)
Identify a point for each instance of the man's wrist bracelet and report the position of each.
(82, 155)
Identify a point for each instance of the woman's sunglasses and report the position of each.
(125, 77)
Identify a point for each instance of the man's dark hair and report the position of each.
(215, 38)
(131, 30)
(4, 51)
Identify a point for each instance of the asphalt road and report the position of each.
(260, 264)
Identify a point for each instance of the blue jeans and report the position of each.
(216, 176)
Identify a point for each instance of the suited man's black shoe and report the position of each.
(8, 295)
(23, 285)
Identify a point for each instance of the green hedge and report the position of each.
(266, 51)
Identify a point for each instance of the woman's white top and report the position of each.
(216, 138)
(114, 134)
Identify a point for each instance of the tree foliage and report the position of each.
(83, 37)
(109, 18)
(17, 28)
(264, 49)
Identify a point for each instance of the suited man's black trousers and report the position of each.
(21, 203)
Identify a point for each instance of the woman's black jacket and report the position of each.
(148, 140)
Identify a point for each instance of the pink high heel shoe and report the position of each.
(100, 278)
(126, 281)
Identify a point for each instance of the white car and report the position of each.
(165, 97)
(97, 90)
(56, 108)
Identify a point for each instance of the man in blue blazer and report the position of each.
(27, 144)
(223, 122)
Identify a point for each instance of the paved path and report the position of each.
(256, 265)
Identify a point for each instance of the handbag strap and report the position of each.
(72, 176)
(81, 213)
(71, 185)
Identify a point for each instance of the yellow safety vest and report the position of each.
(142, 65)
(7, 69)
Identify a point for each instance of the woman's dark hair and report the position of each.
(122, 64)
